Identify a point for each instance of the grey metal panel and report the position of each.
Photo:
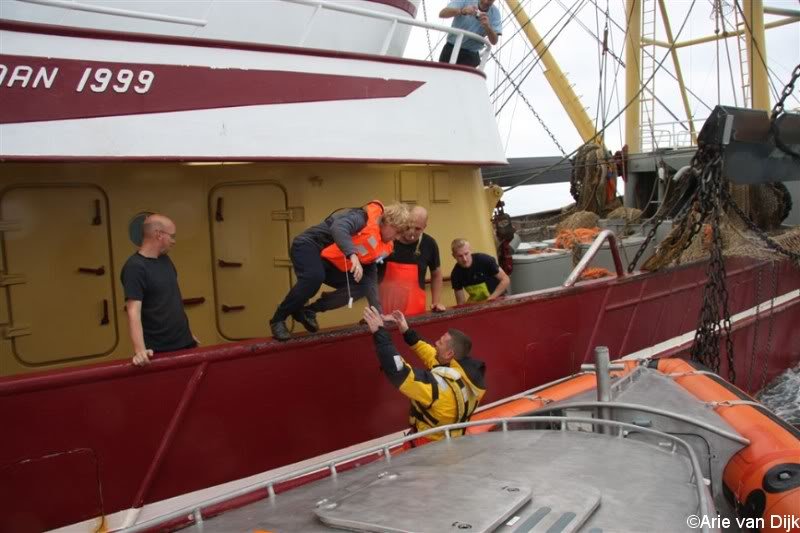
(654, 389)
(520, 169)
(410, 500)
(627, 250)
(642, 487)
(564, 512)
(539, 271)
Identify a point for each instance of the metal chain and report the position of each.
(527, 103)
(775, 246)
(427, 31)
(778, 109)
(768, 347)
(715, 293)
(704, 156)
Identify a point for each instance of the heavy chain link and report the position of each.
(704, 156)
(778, 109)
(715, 293)
(774, 245)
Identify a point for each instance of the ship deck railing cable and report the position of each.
(520, 77)
(396, 20)
(619, 114)
(195, 511)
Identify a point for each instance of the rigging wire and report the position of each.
(757, 48)
(630, 102)
(579, 4)
(673, 76)
(730, 64)
(523, 74)
(427, 30)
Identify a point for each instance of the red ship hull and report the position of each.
(90, 441)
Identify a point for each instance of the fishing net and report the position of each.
(581, 219)
(567, 239)
(588, 180)
(628, 214)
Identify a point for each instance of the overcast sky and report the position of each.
(578, 53)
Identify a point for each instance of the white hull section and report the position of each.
(354, 107)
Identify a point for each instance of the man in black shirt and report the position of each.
(476, 277)
(403, 273)
(153, 303)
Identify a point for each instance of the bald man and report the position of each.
(153, 303)
(403, 274)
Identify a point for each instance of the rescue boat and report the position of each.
(246, 135)
(636, 444)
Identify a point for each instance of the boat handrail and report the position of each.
(195, 511)
(652, 410)
(606, 234)
(396, 20)
(119, 12)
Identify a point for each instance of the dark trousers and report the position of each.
(465, 57)
(312, 271)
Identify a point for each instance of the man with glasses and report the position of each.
(153, 302)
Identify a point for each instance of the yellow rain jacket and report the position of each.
(439, 394)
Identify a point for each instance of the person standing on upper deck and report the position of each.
(403, 273)
(481, 17)
(342, 253)
(153, 303)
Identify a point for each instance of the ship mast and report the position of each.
(756, 53)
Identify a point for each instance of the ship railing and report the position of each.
(396, 20)
(605, 235)
(194, 512)
(668, 135)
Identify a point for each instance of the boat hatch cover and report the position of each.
(410, 499)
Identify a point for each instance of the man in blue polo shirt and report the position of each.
(481, 17)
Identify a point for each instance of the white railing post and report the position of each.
(310, 23)
(456, 48)
(389, 37)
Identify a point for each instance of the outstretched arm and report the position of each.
(504, 280)
(416, 384)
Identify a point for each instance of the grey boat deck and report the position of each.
(574, 478)
(543, 474)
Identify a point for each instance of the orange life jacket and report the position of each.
(368, 243)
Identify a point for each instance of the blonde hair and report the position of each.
(396, 215)
(457, 244)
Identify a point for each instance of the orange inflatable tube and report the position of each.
(764, 477)
(526, 404)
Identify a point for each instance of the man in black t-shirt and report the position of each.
(153, 303)
(403, 273)
(476, 277)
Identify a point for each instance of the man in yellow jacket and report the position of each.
(447, 390)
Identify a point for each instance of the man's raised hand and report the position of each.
(373, 319)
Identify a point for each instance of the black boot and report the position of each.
(279, 331)
(308, 318)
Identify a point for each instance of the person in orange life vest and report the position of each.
(447, 390)
(402, 275)
(476, 277)
(340, 252)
